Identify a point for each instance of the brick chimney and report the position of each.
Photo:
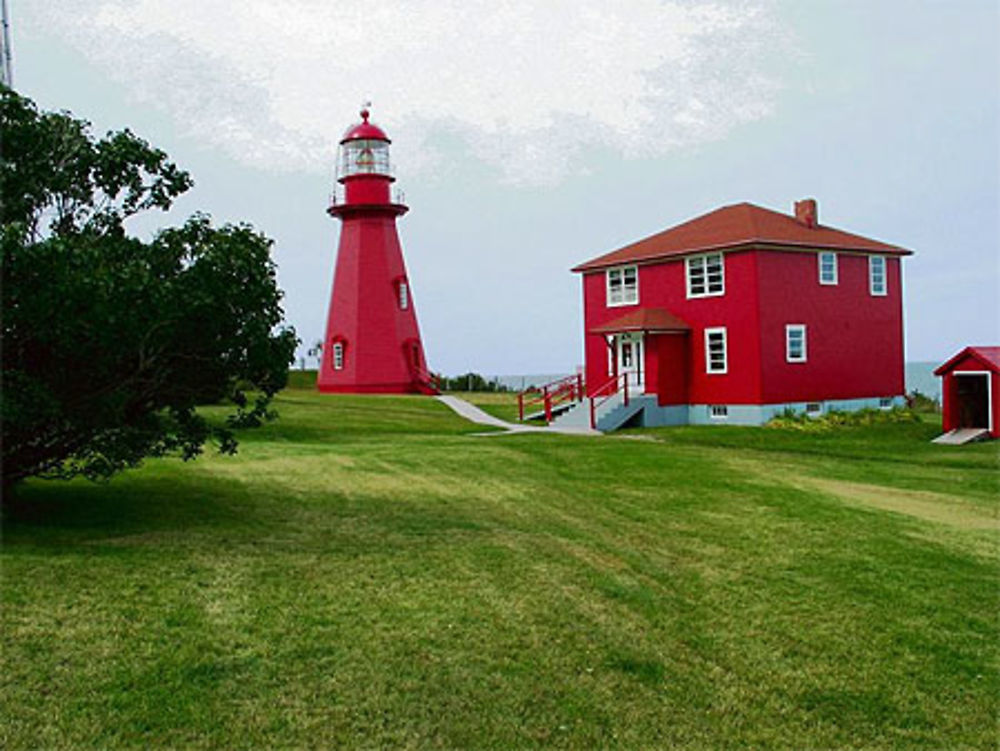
(806, 213)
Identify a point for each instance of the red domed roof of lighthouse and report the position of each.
(364, 129)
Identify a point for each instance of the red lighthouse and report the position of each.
(372, 342)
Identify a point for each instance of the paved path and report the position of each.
(472, 413)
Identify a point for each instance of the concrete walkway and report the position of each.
(472, 413)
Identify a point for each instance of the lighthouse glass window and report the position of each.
(364, 156)
(338, 355)
(404, 296)
(623, 286)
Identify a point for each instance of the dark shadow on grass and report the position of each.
(60, 515)
(64, 512)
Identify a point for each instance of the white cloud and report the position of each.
(527, 85)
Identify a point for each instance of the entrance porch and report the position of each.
(647, 351)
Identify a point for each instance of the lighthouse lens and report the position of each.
(364, 157)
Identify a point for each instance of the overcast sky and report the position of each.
(529, 136)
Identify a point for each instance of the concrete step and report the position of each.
(611, 415)
(620, 415)
(577, 416)
(958, 436)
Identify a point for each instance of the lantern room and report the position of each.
(364, 150)
(364, 170)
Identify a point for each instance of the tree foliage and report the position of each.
(470, 382)
(110, 342)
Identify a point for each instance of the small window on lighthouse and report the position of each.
(338, 355)
(404, 296)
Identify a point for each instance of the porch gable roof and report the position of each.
(648, 320)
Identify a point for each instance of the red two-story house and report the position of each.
(742, 313)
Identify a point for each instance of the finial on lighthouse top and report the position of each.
(365, 130)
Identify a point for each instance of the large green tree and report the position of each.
(110, 342)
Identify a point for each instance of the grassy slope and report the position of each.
(501, 404)
(365, 573)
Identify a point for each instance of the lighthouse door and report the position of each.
(630, 358)
(411, 351)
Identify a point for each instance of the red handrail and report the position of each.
(551, 395)
(611, 387)
(423, 377)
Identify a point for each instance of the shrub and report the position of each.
(470, 382)
(109, 341)
(921, 403)
(791, 420)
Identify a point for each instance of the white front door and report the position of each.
(630, 358)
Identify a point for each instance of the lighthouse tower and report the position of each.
(372, 342)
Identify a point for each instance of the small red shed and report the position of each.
(971, 380)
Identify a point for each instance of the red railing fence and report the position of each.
(551, 395)
(605, 392)
(426, 379)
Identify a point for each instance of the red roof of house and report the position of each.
(742, 224)
(644, 319)
(988, 356)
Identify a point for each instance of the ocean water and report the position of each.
(920, 377)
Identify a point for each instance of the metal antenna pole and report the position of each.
(6, 63)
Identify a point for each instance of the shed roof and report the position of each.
(650, 320)
(739, 225)
(988, 356)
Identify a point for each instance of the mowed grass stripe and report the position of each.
(366, 574)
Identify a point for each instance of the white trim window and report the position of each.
(827, 261)
(404, 295)
(337, 355)
(706, 275)
(716, 356)
(876, 276)
(622, 286)
(795, 342)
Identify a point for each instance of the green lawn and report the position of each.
(366, 573)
